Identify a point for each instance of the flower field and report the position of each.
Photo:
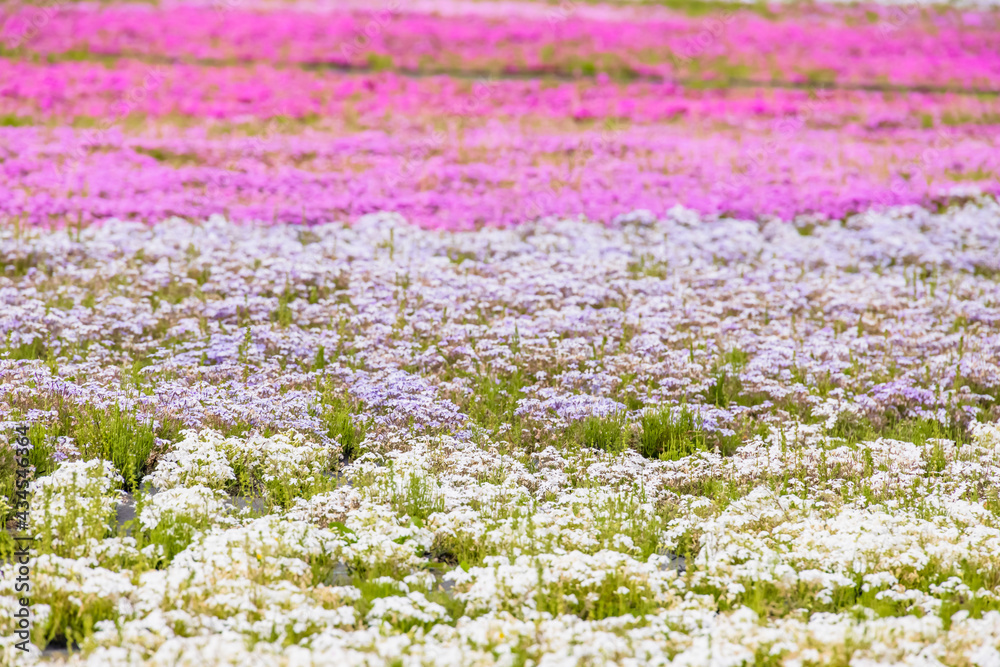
(499, 333)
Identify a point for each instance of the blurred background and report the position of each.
(469, 113)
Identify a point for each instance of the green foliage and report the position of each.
(665, 433)
(610, 433)
(607, 602)
(319, 362)
(856, 428)
(726, 389)
(283, 314)
(72, 618)
(671, 435)
(41, 456)
(342, 417)
(172, 532)
(11, 120)
(8, 488)
(770, 600)
(494, 397)
(491, 402)
(379, 61)
(67, 516)
(119, 436)
(18, 266)
(418, 498)
(623, 514)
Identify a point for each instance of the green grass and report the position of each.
(664, 433)
(771, 601)
(669, 435)
(854, 429)
(119, 436)
(343, 422)
(492, 402)
(610, 433)
(10, 120)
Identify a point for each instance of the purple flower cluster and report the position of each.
(886, 315)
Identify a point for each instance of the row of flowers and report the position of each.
(851, 329)
(821, 570)
(855, 47)
(70, 90)
(463, 175)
